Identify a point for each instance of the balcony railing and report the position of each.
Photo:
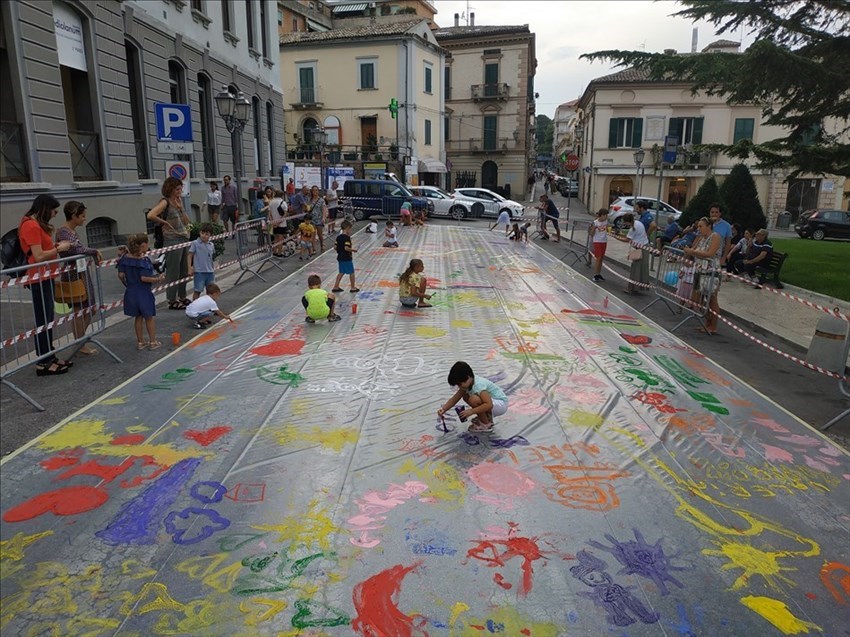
(141, 159)
(85, 156)
(209, 161)
(498, 90)
(483, 145)
(306, 97)
(13, 165)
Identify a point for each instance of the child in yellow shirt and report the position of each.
(308, 232)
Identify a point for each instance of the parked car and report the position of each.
(820, 224)
(491, 203)
(445, 204)
(364, 198)
(623, 205)
(566, 186)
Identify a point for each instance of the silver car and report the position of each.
(491, 203)
(445, 204)
(623, 205)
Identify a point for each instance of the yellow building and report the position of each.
(343, 81)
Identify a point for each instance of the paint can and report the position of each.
(459, 410)
(175, 338)
(354, 308)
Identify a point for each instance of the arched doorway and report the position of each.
(489, 175)
(620, 187)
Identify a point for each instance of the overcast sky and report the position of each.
(566, 29)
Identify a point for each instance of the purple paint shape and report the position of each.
(137, 521)
(214, 523)
(507, 443)
(217, 492)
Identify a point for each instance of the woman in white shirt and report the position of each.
(637, 240)
(213, 201)
(332, 202)
(276, 211)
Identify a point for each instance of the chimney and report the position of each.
(694, 41)
(472, 19)
(457, 19)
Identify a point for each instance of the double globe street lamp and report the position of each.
(235, 110)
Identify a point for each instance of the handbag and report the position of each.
(70, 291)
(635, 254)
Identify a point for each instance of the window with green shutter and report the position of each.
(490, 132)
(687, 129)
(625, 132)
(743, 129)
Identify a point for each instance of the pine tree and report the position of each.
(698, 206)
(796, 70)
(739, 192)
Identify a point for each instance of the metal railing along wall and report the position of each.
(46, 308)
(682, 287)
(13, 165)
(253, 248)
(85, 155)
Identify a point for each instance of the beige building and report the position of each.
(343, 80)
(563, 140)
(624, 111)
(489, 119)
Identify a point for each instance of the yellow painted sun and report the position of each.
(753, 562)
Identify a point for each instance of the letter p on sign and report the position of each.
(173, 122)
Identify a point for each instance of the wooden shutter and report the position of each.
(637, 132)
(696, 137)
(612, 132)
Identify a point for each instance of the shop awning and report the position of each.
(315, 26)
(431, 165)
(347, 8)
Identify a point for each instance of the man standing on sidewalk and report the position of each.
(721, 227)
(229, 204)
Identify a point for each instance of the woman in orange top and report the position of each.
(36, 236)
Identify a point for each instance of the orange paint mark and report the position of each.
(387, 284)
(841, 574)
(207, 337)
(129, 439)
(279, 348)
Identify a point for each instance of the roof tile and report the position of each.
(351, 33)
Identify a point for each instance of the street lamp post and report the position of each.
(320, 136)
(235, 110)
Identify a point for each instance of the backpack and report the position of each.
(11, 253)
(282, 208)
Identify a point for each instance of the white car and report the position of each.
(622, 205)
(445, 204)
(491, 203)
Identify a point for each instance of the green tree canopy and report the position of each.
(544, 134)
(741, 198)
(698, 205)
(797, 70)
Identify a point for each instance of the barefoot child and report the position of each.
(411, 286)
(201, 310)
(390, 236)
(318, 303)
(136, 272)
(485, 399)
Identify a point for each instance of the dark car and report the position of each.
(820, 224)
(364, 198)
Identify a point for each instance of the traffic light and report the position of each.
(393, 107)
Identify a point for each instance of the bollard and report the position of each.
(354, 308)
(175, 338)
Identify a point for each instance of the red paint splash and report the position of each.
(106, 472)
(65, 501)
(137, 480)
(128, 439)
(58, 462)
(375, 603)
(208, 436)
(488, 551)
(279, 348)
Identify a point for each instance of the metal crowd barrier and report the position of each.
(579, 246)
(681, 286)
(58, 306)
(253, 248)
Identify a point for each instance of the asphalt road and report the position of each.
(813, 398)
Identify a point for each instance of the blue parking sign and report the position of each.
(173, 122)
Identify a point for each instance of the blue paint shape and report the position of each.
(429, 549)
(683, 626)
(181, 535)
(507, 443)
(218, 491)
(493, 627)
(137, 521)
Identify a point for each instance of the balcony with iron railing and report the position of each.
(13, 165)
(307, 98)
(687, 158)
(86, 162)
(495, 91)
(483, 145)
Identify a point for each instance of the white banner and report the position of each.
(339, 174)
(69, 37)
(308, 175)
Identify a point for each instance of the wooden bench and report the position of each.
(774, 265)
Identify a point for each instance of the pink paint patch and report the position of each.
(207, 436)
(279, 348)
(500, 479)
(815, 464)
(775, 454)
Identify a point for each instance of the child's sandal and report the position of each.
(154, 345)
(175, 305)
(141, 345)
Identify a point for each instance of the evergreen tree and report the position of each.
(544, 135)
(739, 192)
(796, 70)
(697, 207)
